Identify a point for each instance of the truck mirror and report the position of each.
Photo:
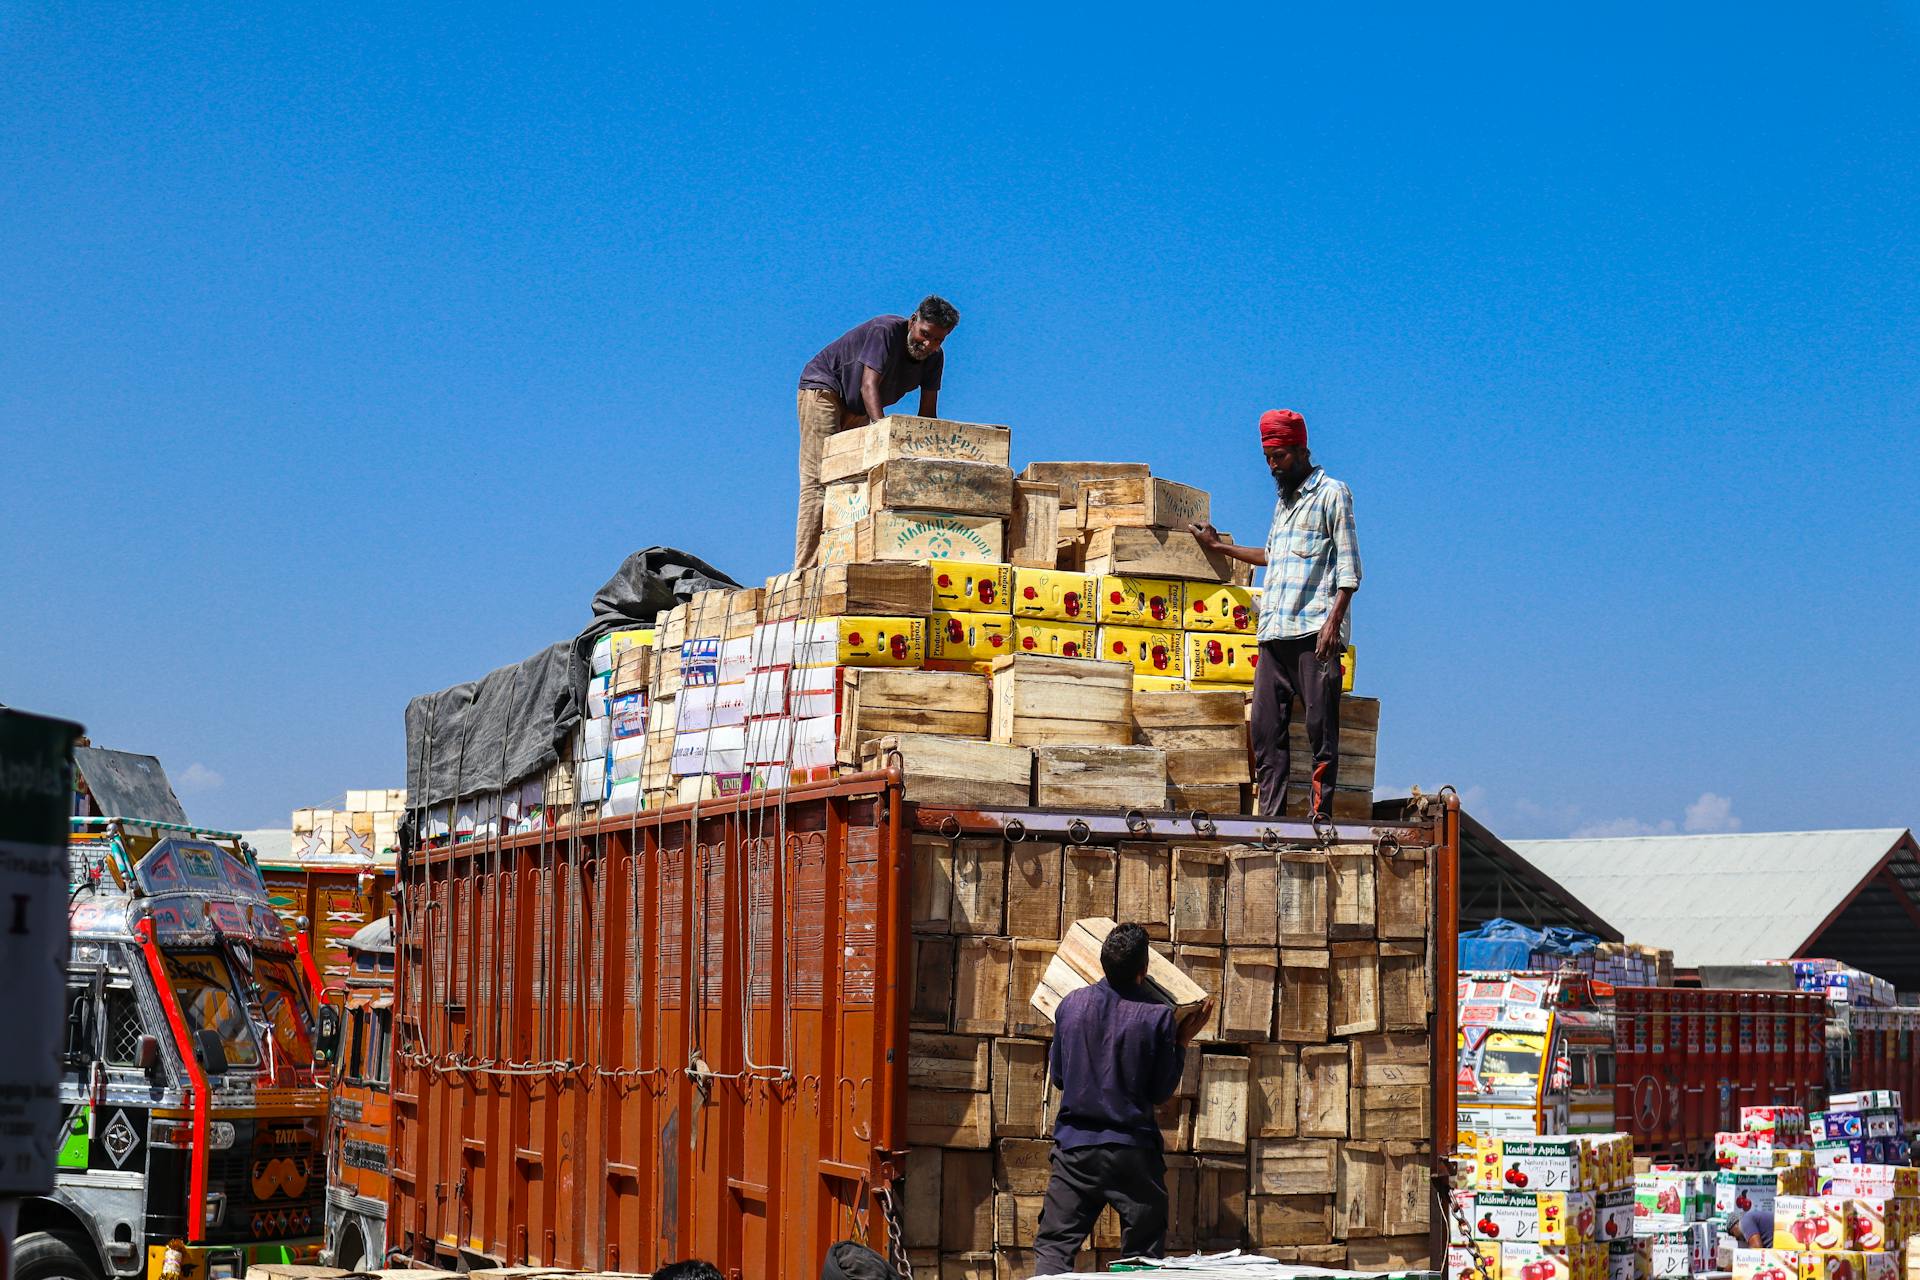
(211, 1051)
(329, 1033)
(146, 1053)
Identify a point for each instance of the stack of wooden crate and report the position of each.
(366, 827)
(1301, 1126)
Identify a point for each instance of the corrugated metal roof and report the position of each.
(272, 844)
(1716, 899)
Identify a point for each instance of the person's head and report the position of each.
(1123, 956)
(929, 325)
(689, 1269)
(1283, 438)
(849, 1261)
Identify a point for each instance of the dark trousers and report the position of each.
(1288, 669)
(1086, 1180)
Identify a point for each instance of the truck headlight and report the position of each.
(214, 1211)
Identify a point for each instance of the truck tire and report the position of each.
(45, 1256)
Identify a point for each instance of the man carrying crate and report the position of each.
(1312, 559)
(851, 383)
(1116, 1056)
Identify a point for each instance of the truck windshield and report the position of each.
(286, 1009)
(205, 991)
(1511, 1059)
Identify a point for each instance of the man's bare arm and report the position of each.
(870, 392)
(1210, 539)
(929, 402)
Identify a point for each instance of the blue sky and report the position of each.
(348, 350)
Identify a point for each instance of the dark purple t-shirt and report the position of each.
(880, 343)
(1115, 1057)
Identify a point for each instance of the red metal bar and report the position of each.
(196, 1079)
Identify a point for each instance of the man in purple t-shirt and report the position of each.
(851, 383)
(1116, 1056)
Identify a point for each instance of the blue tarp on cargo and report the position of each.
(1508, 944)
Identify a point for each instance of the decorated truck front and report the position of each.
(194, 1110)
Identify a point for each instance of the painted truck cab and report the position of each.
(1535, 1055)
(361, 1052)
(194, 1108)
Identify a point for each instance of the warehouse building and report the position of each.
(1740, 898)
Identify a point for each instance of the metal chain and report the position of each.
(1465, 1231)
(896, 1236)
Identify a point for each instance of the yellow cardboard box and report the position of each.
(1055, 639)
(1158, 684)
(1152, 651)
(1059, 594)
(962, 586)
(1144, 602)
(1220, 659)
(968, 637)
(1214, 607)
(860, 642)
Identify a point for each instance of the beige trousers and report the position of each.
(821, 414)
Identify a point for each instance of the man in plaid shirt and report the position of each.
(1312, 561)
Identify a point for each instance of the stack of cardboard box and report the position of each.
(1557, 1207)
(1302, 1123)
(367, 828)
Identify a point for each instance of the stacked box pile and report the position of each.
(1859, 1128)
(1625, 964)
(1842, 984)
(1546, 1208)
(366, 829)
(612, 742)
(1676, 1228)
(1859, 1228)
(1770, 1139)
(1302, 1124)
(939, 565)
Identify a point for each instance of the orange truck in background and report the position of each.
(357, 1035)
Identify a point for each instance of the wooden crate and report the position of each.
(1033, 530)
(1204, 734)
(1400, 882)
(1208, 800)
(957, 771)
(1303, 895)
(1023, 1165)
(1354, 988)
(1175, 1117)
(1324, 1085)
(1392, 1087)
(1220, 1203)
(920, 1211)
(887, 590)
(954, 1063)
(1019, 1088)
(1295, 1166)
(915, 536)
(1353, 896)
(1161, 553)
(1144, 886)
(1246, 1010)
(1199, 893)
(1033, 889)
(1017, 1220)
(1089, 883)
(1207, 967)
(1281, 1221)
(1409, 1183)
(1220, 1111)
(1182, 1178)
(1069, 476)
(1139, 502)
(1389, 1253)
(939, 484)
(1099, 777)
(1027, 969)
(1077, 964)
(975, 1265)
(1360, 1205)
(930, 892)
(1273, 1091)
(932, 1007)
(1406, 986)
(1252, 896)
(936, 1118)
(981, 967)
(1045, 701)
(878, 701)
(859, 450)
(979, 885)
(966, 1193)
(1303, 996)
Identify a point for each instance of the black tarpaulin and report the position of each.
(486, 735)
(125, 785)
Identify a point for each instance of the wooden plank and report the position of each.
(966, 1191)
(1069, 476)
(1220, 1112)
(1162, 553)
(1142, 502)
(1401, 885)
(979, 885)
(1216, 766)
(1324, 1082)
(942, 484)
(1041, 700)
(1354, 988)
(1023, 1165)
(1281, 1221)
(1077, 964)
(1251, 978)
(1294, 1167)
(1199, 893)
(900, 435)
(1017, 1219)
(932, 1007)
(1089, 883)
(1019, 1088)
(980, 985)
(1033, 889)
(1182, 1179)
(1408, 1193)
(1273, 1091)
(1144, 887)
(936, 1118)
(1303, 898)
(1209, 800)
(1304, 996)
(1033, 531)
(1252, 903)
(1351, 906)
(1026, 970)
(946, 1062)
(1198, 709)
(1360, 1206)
(879, 701)
(1206, 966)
(1220, 1203)
(1175, 1118)
(920, 1219)
(956, 771)
(1404, 999)
(930, 896)
(1099, 777)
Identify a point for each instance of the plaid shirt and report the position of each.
(1311, 553)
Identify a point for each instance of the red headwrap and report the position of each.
(1282, 429)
